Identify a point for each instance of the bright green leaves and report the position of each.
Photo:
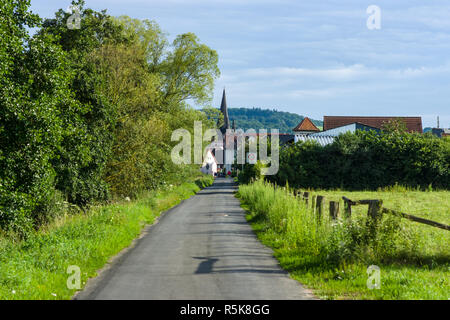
(367, 160)
(33, 87)
(190, 70)
(87, 112)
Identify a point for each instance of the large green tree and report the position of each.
(136, 79)
(82, 159)
(89, 111)
(33, 89)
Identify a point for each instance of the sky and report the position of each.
(312, 57)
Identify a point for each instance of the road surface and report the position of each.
(201, 249)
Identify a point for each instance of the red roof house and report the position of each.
(306, 126)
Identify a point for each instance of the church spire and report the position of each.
(224, 111)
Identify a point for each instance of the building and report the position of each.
(323, 140)
(210, 164)
(440, 132)
(353, 127)
(225, 151)
(305, 132)
(413, 124)
(224, 111)
(306, 127)
(228, 142)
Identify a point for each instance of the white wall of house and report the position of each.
(209, 165)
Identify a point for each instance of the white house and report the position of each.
(209, 165)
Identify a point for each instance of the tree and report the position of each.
(149, 36)
(82, 160)
(84, 112)
(33, 87)
(214, 115)
(134, 81)
(189, 71)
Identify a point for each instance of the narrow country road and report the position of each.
(201, 249)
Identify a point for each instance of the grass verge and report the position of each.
(36, 268)
(332, 257)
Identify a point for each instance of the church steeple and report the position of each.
(224, 110)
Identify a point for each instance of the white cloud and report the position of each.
(318, 55)
(338, 74)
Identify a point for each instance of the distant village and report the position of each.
(306, 130)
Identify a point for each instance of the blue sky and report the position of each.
(313, 58)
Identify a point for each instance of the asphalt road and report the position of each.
(201, 249)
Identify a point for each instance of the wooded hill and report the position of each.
(258, 118)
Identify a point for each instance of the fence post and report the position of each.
(334, 209)
(313, 203)
(319, 207)
(375, 209)
(374, 214)
(306, 197)
(347, 209)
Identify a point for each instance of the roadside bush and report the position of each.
(367, 161)
(250, 173)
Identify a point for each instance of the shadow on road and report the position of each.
(207, 193)
(207, 267)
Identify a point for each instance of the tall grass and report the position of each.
(36, 268)
(332, 256)
(333, 241)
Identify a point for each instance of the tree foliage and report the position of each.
(256, 118)
(87, 114)
(33, 89)
(367, 161)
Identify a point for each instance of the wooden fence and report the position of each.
(375, 209)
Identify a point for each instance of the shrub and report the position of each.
(367, 161)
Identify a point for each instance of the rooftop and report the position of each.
(413, 124)
(306, 125)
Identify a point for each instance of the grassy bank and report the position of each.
(332, 258)
(36, 268)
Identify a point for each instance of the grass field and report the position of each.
(36, 268)
(332, 258)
